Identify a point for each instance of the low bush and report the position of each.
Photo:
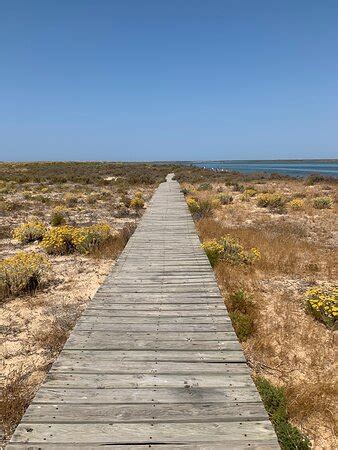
(271, 201)
(322, 303)
(89, 239)
(297, 204)
(137, 202)
(193, 205)
(213, 250)
(230, 250)
(323, 202)
(250, 192)
(29, 232)
(204, 187)
(239, 301)
(58, 217)
(238, 187)
(60, 240)
(242, 324)
(207, 206)
(225, 199)
(274, 400)
(22, 273)
(66, 239)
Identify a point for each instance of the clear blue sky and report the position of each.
(168, 79)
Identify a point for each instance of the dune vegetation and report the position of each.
(271, 241)
(273, 246)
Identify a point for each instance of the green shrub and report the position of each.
(29, 232)
(205, 187)
(239, 301)
(89, 239)
(58, 217)
(323, 202)
(41, 198)
(225, 199)
(242, 324)
(207, 206)
(238, 187)
(274, 400)
(22, 273)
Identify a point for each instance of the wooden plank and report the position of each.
(93, 341)
(141, 380)
(79, 357)
(188, 337)
(165, 412)
(145, 433)
(170, 328)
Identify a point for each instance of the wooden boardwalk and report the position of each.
(153, 361)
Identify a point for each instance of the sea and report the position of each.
(294, 168)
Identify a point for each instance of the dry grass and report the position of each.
(287, 346)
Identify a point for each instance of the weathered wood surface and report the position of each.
(153, 361)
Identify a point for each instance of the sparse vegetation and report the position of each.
(266, 302)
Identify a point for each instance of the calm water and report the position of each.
(292, 168)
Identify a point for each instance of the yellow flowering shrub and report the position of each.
(322, 302)
(272, 201)
(29, 232)
(137, 202)
(213, 250)
(66, 239)
(297, 204)
(193, 205)
(231, 250)
(60, 240)
(22, 272)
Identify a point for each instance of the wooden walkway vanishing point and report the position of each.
(153, 361)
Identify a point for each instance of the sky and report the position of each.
(137, 80)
